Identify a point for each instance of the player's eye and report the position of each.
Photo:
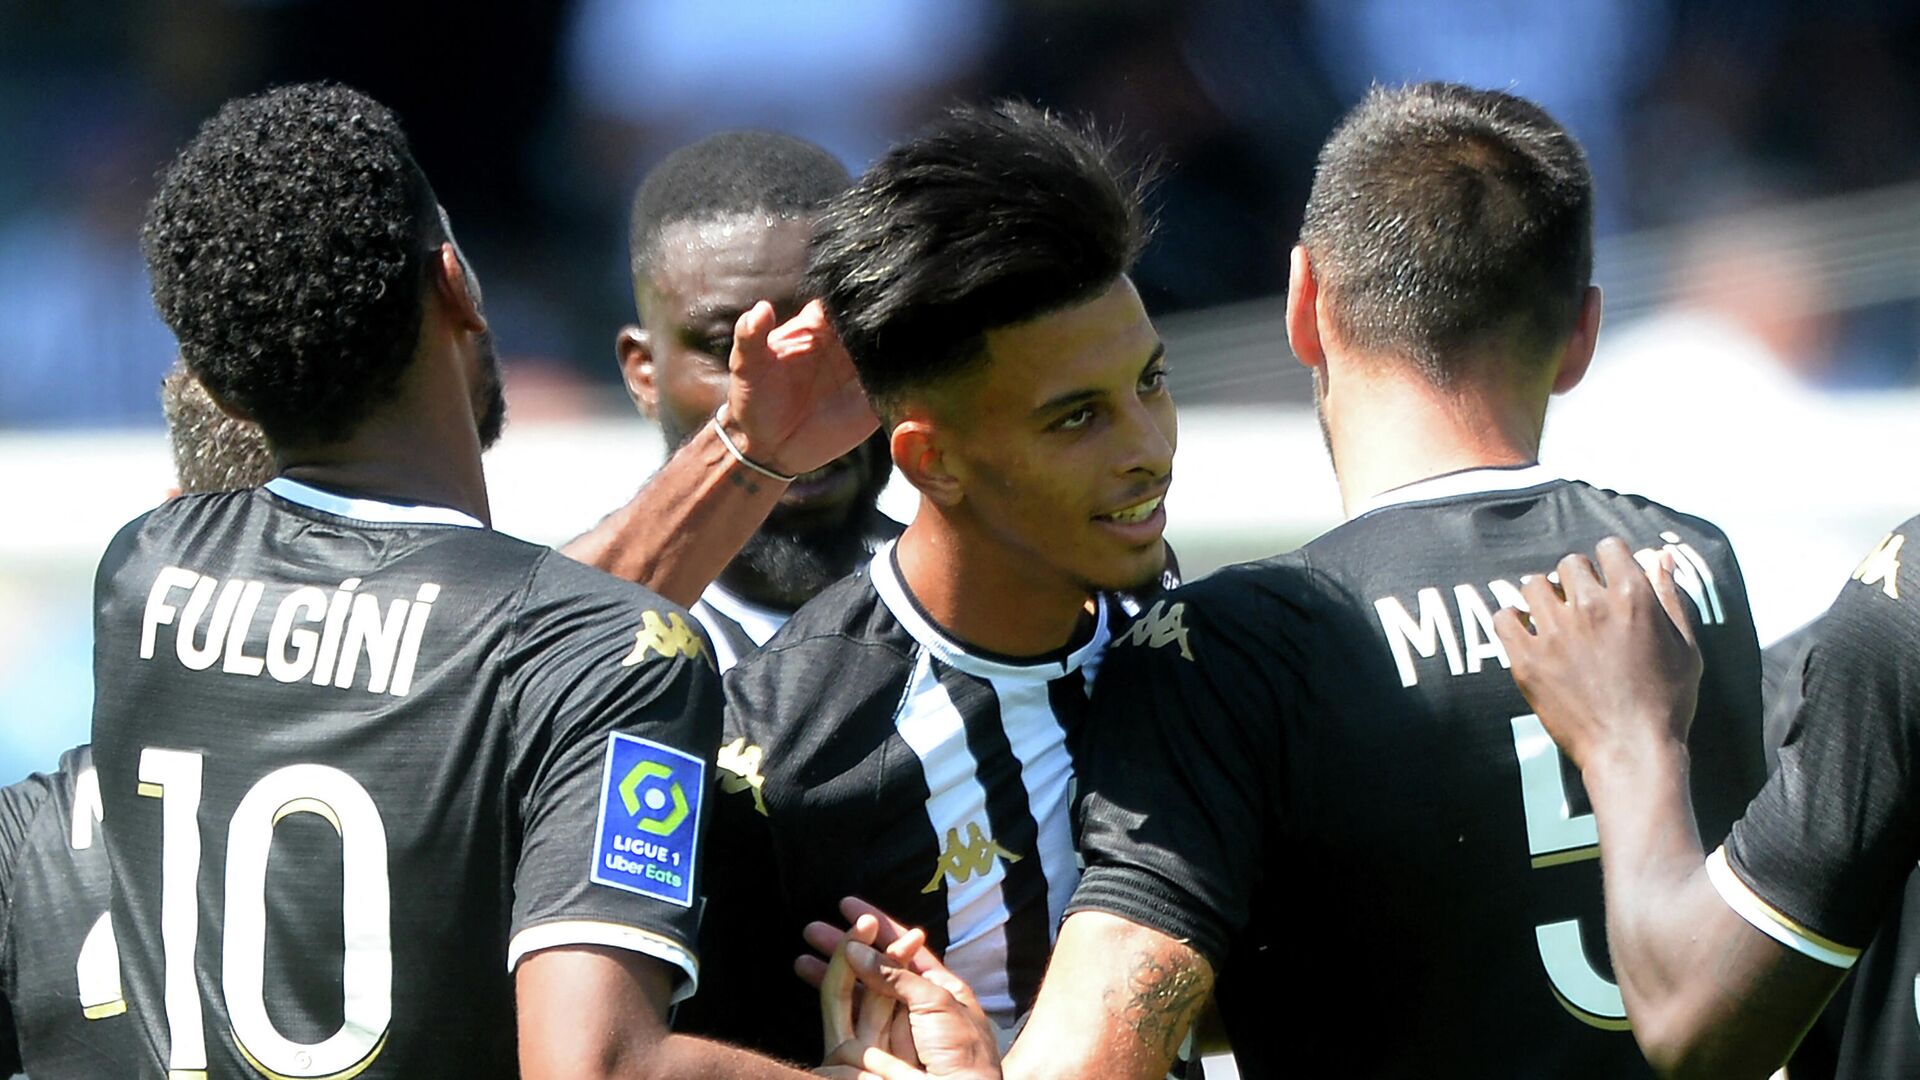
(721, 347)
(1154, 380)
(1075, 420)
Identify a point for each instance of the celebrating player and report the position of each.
(1315, 766)
(59, 971)
(1725, 960)
(461, 752)
(910, 733)
(719, 227)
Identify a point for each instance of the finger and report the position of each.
(890, 928)
(877, 973)
(822, 937)
(1678, 604)
(885, 1066)
(875, 1021)
(1623, 572)
(810, 969)
(1579, 581)
(1514, 629)
(836, 998)
(907, 944)
(750, 330)
(1543, 599)
(901, 1043)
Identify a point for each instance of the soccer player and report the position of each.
(59, 971)
(1313, 771)
(1726, 959)
(718, 228)
(910, 734)
(360, 756)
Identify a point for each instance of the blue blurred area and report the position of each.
(535, 121)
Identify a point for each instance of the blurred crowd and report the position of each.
(536, 120)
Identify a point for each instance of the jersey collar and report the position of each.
(374, 510)
(1454, 484)
(974, 661)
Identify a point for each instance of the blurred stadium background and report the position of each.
(1758, 164)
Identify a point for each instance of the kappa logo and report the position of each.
(1882, 566)
(960, 861)
(669, 637)
(1161, 625)
(739, 760)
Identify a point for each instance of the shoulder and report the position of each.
(573, 617)
(22, 806)
(839, 652)
(1244, 611)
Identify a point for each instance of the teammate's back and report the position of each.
(1435, 841)
(338, 747)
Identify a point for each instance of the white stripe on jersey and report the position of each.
(719, 610)
(1763, 917)
(369, 509)
(976, 909)
(1047, 770)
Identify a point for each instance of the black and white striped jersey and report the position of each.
(869, 753)
(735, 626)
(59, 972)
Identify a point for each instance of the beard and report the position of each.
(799, 553)
(490, 404)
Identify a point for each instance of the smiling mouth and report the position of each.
(1134, 514)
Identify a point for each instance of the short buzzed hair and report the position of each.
(734, 172)
(211, 450)
(1443, 218)
(991, 217)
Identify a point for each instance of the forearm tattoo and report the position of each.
(1163, 999)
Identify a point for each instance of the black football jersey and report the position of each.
(59, 973)
(358, 759)
(1317, 769)
(1824, 859)
(868, 753)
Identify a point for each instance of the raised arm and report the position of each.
(793, 404)
(1716, 981)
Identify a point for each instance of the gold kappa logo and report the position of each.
(1882, 566)
(739, 765)
(961, 861)
(1154, 629)
(670, 637)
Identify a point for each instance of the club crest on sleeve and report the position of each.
(1160, 626)
(649, 819)
(668, 637)
(1882, 566)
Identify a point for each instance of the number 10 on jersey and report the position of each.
(173, 777)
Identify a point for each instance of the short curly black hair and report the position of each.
(289, 247)
(992, 216)
(732, 172)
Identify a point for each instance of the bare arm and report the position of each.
(590, 1013)
(1612, 670)
(1117, 1003)
(793, 404)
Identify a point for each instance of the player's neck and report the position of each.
(413, 449)
(1387, 432)
(982, 594)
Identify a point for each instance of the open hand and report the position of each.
(793, 398)
(1607, 659)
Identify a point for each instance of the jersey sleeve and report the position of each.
(1826, 847)
(19, 804)
(1178, 786)
(619, 708)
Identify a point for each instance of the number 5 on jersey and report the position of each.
(173, 777)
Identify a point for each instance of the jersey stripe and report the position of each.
(613, 935)
(1748, 905)
(992, 721)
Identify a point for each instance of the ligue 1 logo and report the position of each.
(649, 819)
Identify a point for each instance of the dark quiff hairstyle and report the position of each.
(1444, 218)
(991, 217)
(289, 246)
(211, 450)
(734, 172)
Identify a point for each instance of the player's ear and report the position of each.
(918, 452)
(230, 408)
(633, 350)
(1578, 354)
(454, 285)
(1303, 310)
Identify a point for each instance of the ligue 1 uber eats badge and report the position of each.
(649, 819)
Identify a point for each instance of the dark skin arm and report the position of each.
(1608, 661)
(794, 403)
(592, 1013)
